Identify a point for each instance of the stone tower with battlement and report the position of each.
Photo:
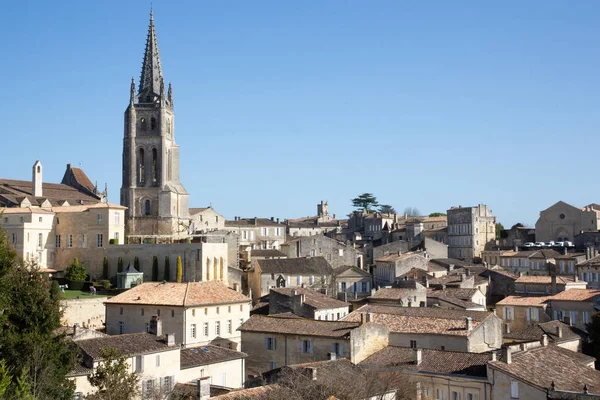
(156, 201)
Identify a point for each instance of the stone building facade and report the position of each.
(257, 233)
(156, 201)
(470, 230)
(562, 222)
(335, 252)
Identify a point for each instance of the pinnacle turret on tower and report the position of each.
(151, 78)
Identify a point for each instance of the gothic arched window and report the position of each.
(143, 125)
(154, 165)
(153, 123)
(147, 208)
(141, 166)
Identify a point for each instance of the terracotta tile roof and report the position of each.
(569, 256)
(12, 191)
(577, 295)
(356, 270)
(459, 293)
(393, 293)
(535, 332)
(524, 301)
(447, 262)
(128, 345)
(542, 279)
(23, 210)
(179, 294)
(258, 393)
(194, 211)
(397, 257)
(208, 354)
(312, 298)
(82, 179)
(438, 361)
(592, 261)
(424, 320)
(465, 304)
(305, 266)
(297, 326)
(541, 366)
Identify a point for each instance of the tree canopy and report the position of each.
(365, 201)
(112, 379)
(412, 211)
(437, 214)
(386, 209)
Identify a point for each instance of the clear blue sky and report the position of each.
(280, 104)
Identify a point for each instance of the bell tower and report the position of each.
(156, 201)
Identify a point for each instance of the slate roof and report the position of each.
(459, 293)
(541, 366)
(437, 361)
(267, 253)
(586, 295)
(312, 298)
(456, 302)
(447, 262)
(252, 222)
(179, 294)
(208, 354)
(12, 192)
(441, 321)
(535, 332)
(295, 266)
(298, 326)
(128, 345)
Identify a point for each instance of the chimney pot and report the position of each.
(544, 340)
(469, 323)
(418, 356)
(559, 331)
(507, 355)
(170, 339)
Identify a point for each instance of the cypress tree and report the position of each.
(136, 263)
(120, 265)
(179, 274)
(154, 269)
(105, 268)
(167, 269)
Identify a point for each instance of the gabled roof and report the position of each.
(395, 293)
(390, 258)
(524, 301)
(584, 295)
(425, 320)
(188, 294)
(208, 354)
(295, 266)
(312, 298)
(298, 326)
(12, 193)
(267, 253)
(594, 261)
(436, 361)
(535, 332)
(252, 222)
(541, 366)
(128, 345)
(345, 268)
(543, 279)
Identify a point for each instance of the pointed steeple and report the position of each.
(151, 78)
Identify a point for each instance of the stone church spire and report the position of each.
(151, 78)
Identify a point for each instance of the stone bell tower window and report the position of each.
(154, 165)
(143, 125)
(141, 166)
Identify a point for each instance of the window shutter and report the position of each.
(266, 343)
(274, 344)
(528, 314)
(310, 346)
(341, 349)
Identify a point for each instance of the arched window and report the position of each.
(39, 169)
(141, 166)
(154, 165)
(153, 123)
(143, 125)
(147, 208)
(222, 267)
(216, 268)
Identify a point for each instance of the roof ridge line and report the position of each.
(187, 287)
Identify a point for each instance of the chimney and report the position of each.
(204, 388)
(553, 289)
(170, 339)
(507, 355)
(565, 250)
(156, 325)
(575, 278)
(507, 328)
(567, 320)
(418, 356)
(312, 373)
(369, 316)
(277, 220)
(272, 219)
(236, 287)
(463, 277)
(494, 356)
(332, 356)
(516, 248)
(544, 340)
(36, 179)
(559, 332)
(469, 323)
(76, 329)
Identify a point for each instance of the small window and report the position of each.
(206, 311)
(205, 329)
(143, 124)
(241, 307)
(99, 218)
(172, 313)
(193, 313)
(307, 347)
(217, 310)
(121, 311)
(229, 309)
(514, 389)
(142, 312)
(40, 219)
(413, 344)
(270, 343)
(229, 326)
(121, 327)
(217, 328)
(193, 331)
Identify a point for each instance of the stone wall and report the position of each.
(89, 312)
(336, 253)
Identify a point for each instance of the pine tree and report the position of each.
(120, 265)
(154, 268)
(179, 274)
(167, 269)
(105, 268)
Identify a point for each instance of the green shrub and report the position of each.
(106, 285)
(105, 268)
(188, 240)
(76, 272)
(113, 241)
